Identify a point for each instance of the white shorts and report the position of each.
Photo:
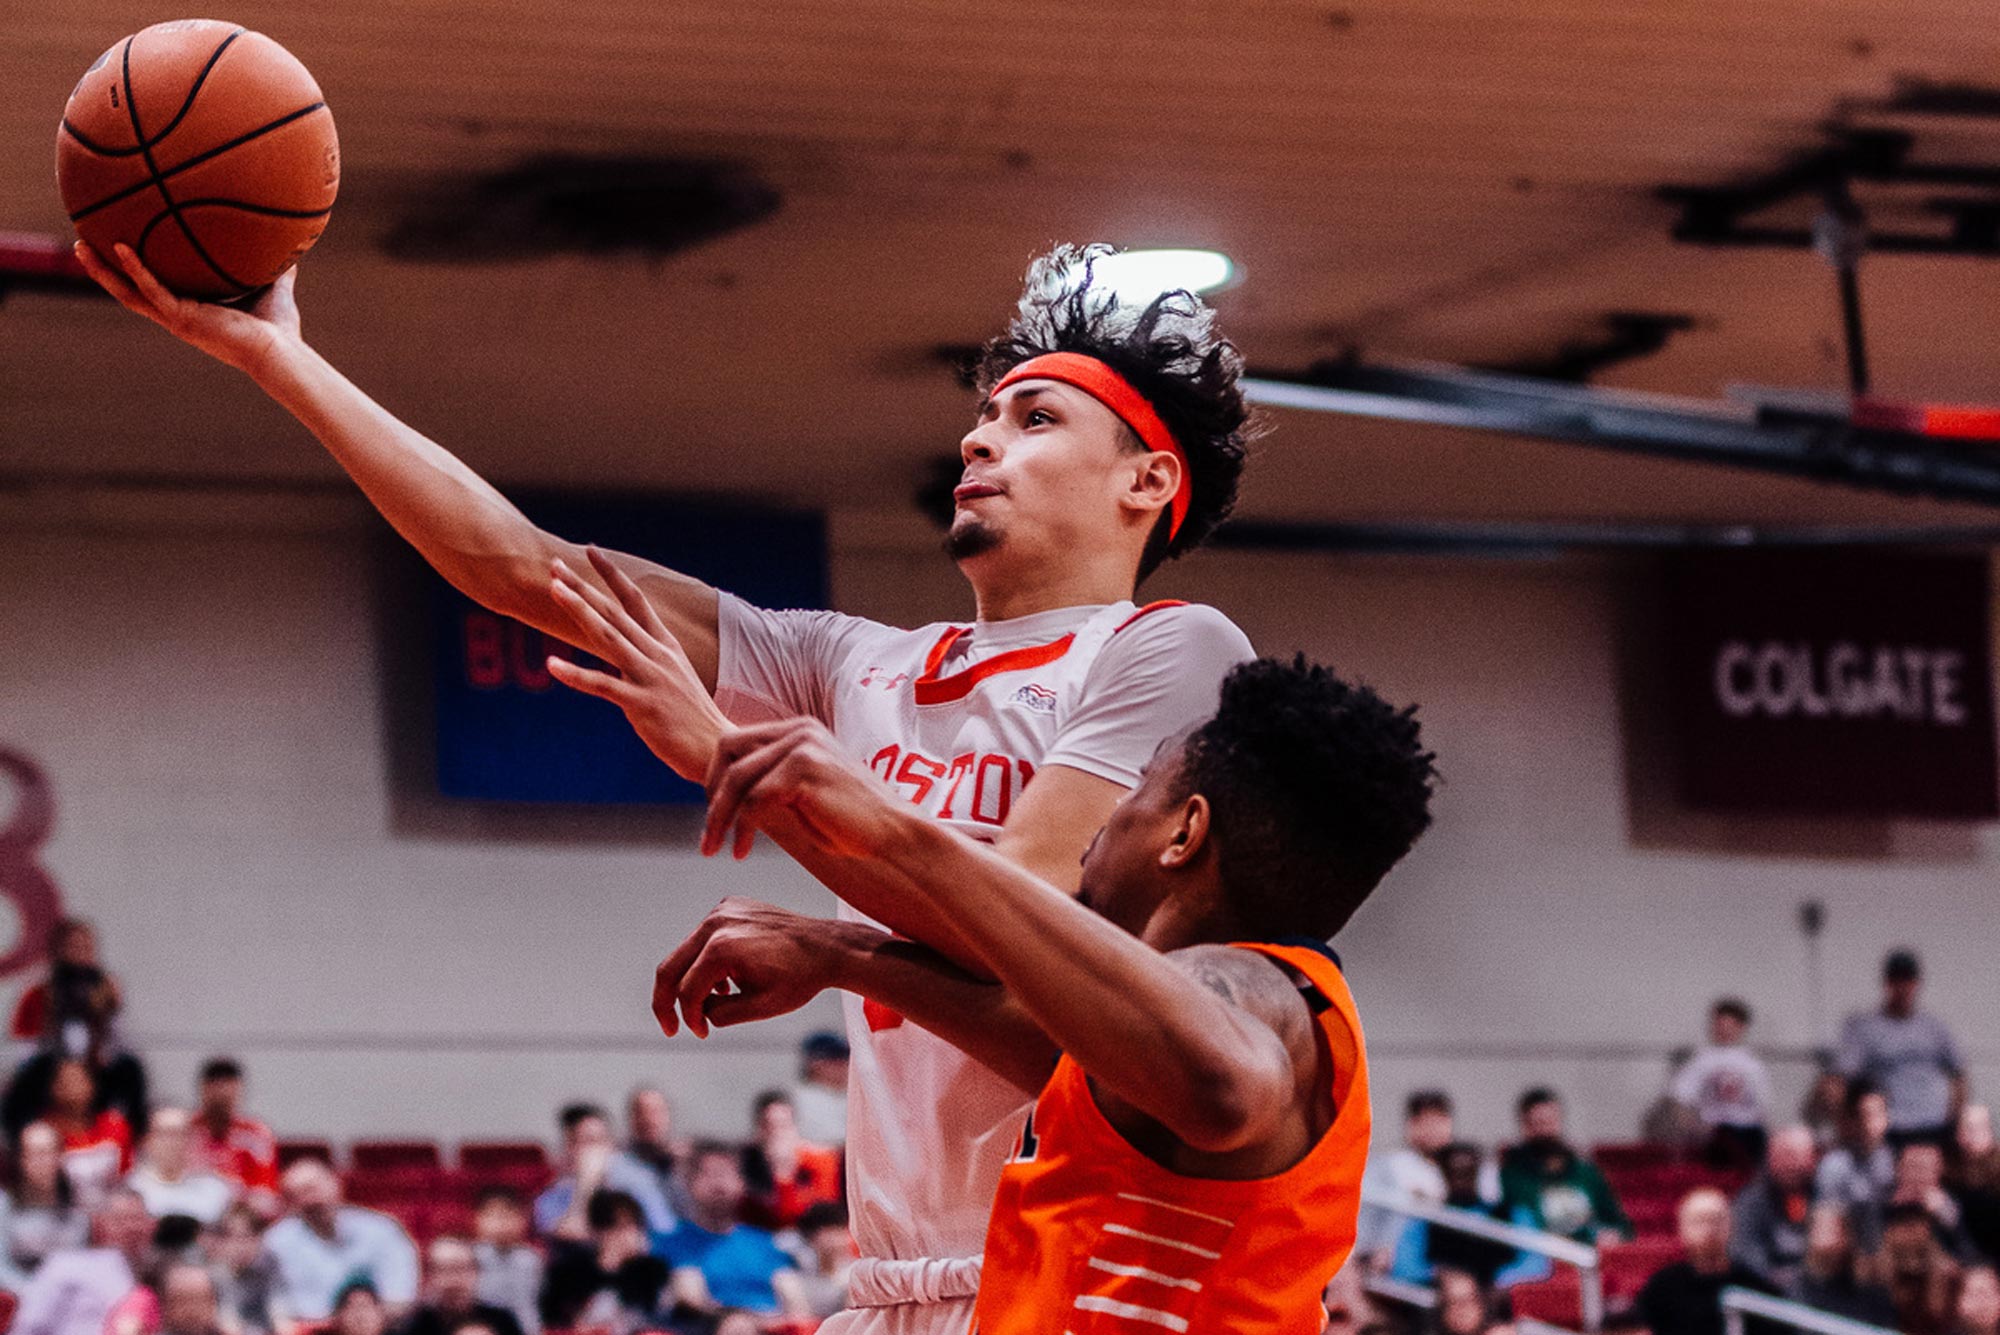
(929, 1297)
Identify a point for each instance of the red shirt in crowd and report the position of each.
(816, 1179)
(246, 1153)
(97, 1157)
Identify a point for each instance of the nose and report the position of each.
(981, 443)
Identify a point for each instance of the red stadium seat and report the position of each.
(483, 1157)
(1628, 1265)
(1619, 1156)
(1557, 1300)
(378, 1156)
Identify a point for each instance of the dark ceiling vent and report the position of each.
(580, 206)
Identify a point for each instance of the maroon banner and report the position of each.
(1844, 682)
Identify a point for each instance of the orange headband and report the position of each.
(1115, 392)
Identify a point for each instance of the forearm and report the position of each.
(1139, 1023)
(977, 1017)
(465, 528)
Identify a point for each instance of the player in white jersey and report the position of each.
(1108, 440)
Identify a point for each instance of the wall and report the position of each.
(209, 683)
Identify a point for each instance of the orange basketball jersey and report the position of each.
(1090, 1237)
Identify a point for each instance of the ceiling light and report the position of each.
(1141, 275)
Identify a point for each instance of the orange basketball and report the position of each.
(205, 147)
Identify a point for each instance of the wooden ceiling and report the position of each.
(1458, 180)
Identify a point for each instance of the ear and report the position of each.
(1190, 834)
(1155, 482)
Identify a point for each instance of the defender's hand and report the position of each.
(777, 959)
(236, 336)
(655, 685)
(790, 777)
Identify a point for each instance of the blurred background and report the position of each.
(721, 264)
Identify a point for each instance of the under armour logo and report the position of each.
(876, 676)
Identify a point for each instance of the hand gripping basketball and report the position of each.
(237, 337)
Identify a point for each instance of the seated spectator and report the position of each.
(1445, 1248)
(1920, 1274)
(189, 1302)
(1830, 1278)
(651, 1143)
(246, 1279)
(357, 1310)
(1920, 1182)
(75, 1289)
(610, 1282)
(73, 1013)
(736, 1321)
(1726, 1087)
(820, 1096)
(1978, 1309)
(1546, 1184)
(782, 1174)
(451, 1295)
(1410, 1170)
(236, 1147)
(824, 1257)
(1464, 1305)
(510, 1267)
(169, 1177)
(1685, 1297)
(1976, 1179)
(718, 1260)
(39, 1213)
(97, 1145)
(1771, 1213)
(142, 1311)
(1858, 1173)
(592, 1162)
(322, 1245)
(1908, 1054)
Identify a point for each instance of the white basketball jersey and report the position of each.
(958, 720)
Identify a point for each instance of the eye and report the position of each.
(1038, 416)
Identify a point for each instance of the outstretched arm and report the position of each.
(1193, 1043)
(471, 534)
(779, 960)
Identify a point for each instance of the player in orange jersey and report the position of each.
(1194, 1159)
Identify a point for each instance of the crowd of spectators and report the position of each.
(1882, 1204)
(121, 1216)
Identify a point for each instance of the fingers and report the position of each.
(616, 627)
(630, 596)
(142, 278)
(709, 971)
(600, 636)
(114, 282)
(731, 778)
(592, 682)
(667, 978)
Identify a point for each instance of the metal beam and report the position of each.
(1659, 426)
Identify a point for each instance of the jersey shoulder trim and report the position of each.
(1159, 606)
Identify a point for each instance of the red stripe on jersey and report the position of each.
(932, 689)
(1149, 607)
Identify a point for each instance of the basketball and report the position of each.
(205, 147)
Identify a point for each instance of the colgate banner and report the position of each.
(1841, 682)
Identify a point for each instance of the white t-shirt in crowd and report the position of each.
(200, 1196)
(1726, 1086)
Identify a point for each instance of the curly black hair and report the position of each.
(1316, 788)
(1168, 350)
